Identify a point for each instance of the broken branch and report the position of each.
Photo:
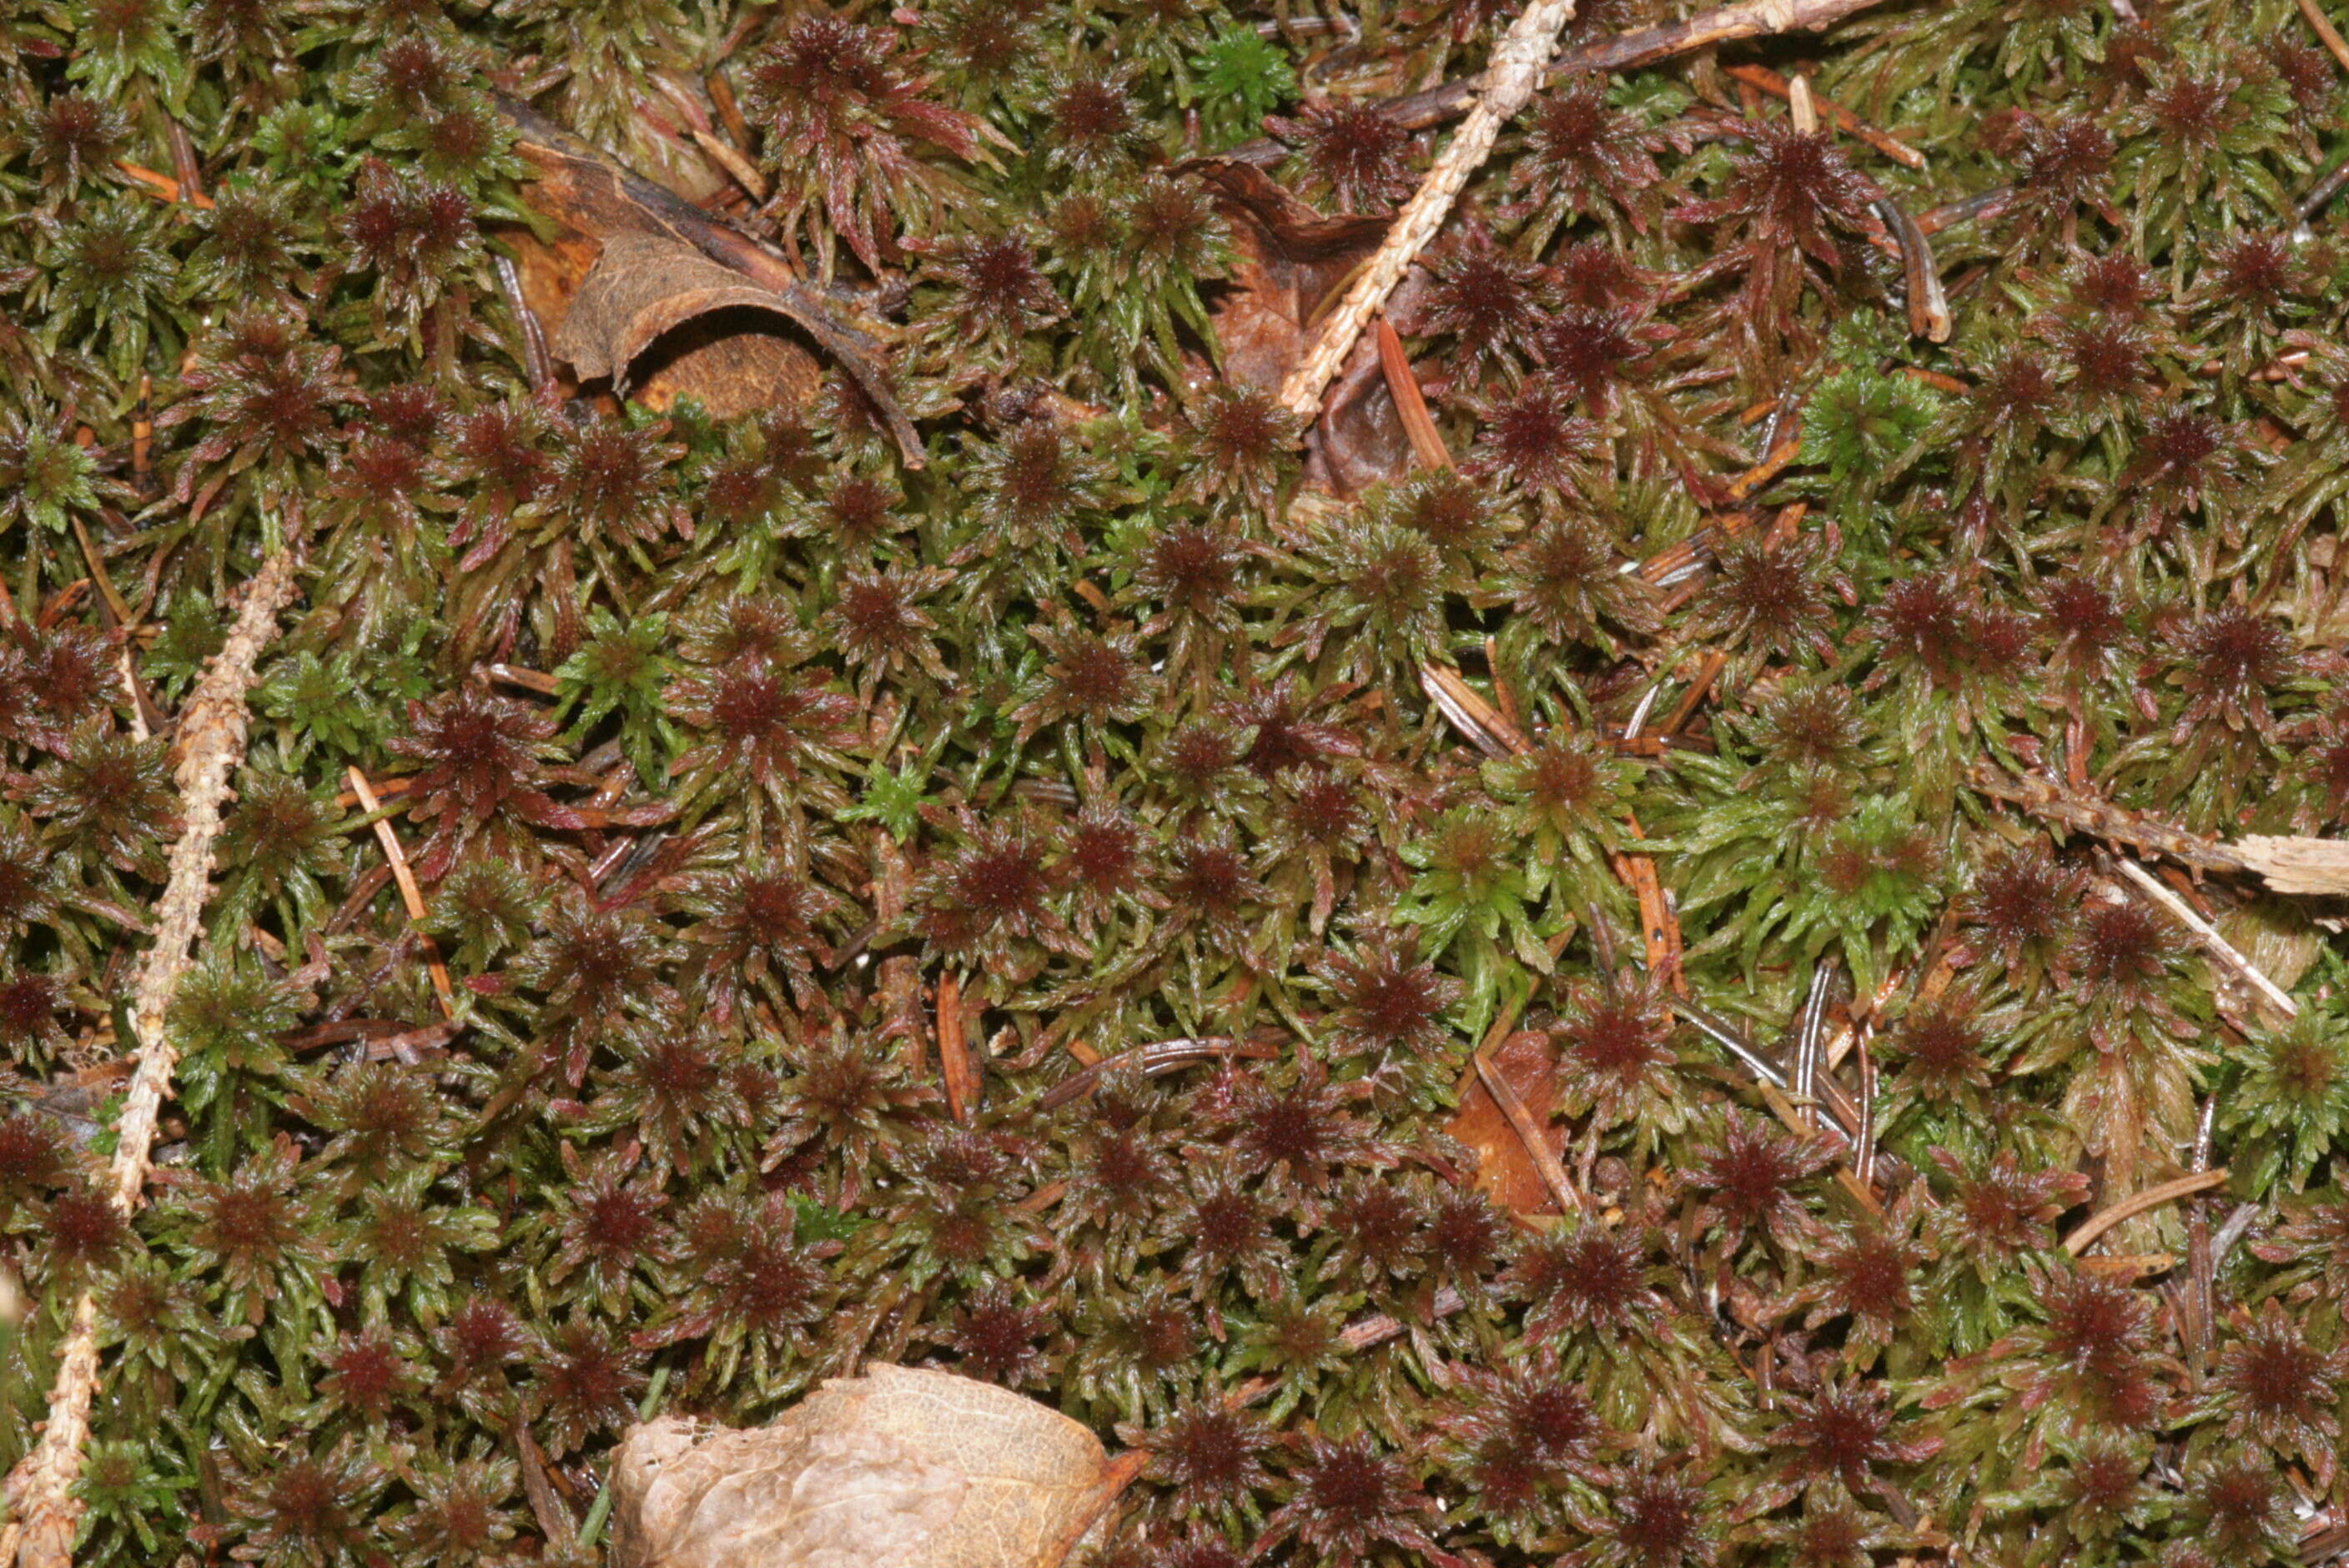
(1519, 63)
(40, 1490)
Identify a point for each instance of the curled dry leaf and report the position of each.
(1292, 263)
(590, 200)
(901, 1468)
(650, 289)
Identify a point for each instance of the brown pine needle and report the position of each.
(955, 1064)
(410, 894)
(2137, 1203)
(161, 186)
(1774, 463)
(1709, 671)
(2223, 952)
(1486, 726)
(1426, 440)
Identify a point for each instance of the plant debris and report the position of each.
(897, 1467)
(1529, 785)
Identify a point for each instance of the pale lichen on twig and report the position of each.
(46, 1512)
(1520, 61)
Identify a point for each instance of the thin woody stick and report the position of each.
(409, 894)
(1843, 119)
(211, 741)
(2326, 31)
(1520, 61)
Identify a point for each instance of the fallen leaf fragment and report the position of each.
(901, 1468)
(1505, 1169)
(1291, 261)
(587, 195)
(644, 287)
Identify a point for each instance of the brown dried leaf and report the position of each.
(582, 190)
(1505, 1169)
(901, 1468)
(644, 287)
(1292, 262)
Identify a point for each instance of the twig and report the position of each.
(1850, 124)
(2137, 1203)
(1410, 404)
(1519, 62)
(2219, 947)
(2326, 32)
(1643, 47)
(2089, 813)
(409, 894)
(2318, 866)
(211, 742)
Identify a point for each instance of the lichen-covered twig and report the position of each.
(1520, 61)
(46, 1512)
(2091, 814)
(1640, 46)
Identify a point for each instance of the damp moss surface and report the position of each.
(1012, 853)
